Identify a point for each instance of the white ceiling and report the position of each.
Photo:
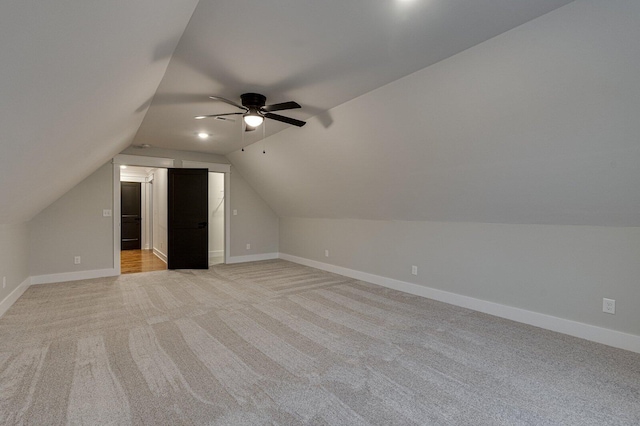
(320, 54)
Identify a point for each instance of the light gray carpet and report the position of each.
(278, 343)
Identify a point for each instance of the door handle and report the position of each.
(202, 225)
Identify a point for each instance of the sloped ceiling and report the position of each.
(539, 125)
(318, 53)
(74, 79)
(77, 79)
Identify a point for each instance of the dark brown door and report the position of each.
(188, 207)
(130, 207)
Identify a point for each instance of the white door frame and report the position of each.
(159, 162)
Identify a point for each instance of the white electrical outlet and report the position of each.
(609, 306)
(76, 260)
(235, 212)
(414, 270)
(106, 213)
(326, 253)
(4, 282)
(248, 246)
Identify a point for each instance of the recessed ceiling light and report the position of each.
(123, 166)
(203, 135)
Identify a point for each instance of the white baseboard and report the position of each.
(252, 257)
(73, 276)
(13, 296)
(215, 253)
(593, 333)
(160, 254)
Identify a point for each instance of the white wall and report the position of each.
(74, 226)
(160, 219)
(216, 214)
(563, 271)
(14, 260)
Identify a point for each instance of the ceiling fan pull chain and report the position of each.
(264, 125)
(242, 127)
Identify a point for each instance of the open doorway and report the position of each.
(154, 207)
(139, 221)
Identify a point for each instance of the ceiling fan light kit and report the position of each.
(253, 120)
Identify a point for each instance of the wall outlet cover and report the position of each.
(76, 260)
(608, 306)
(326, 253)
(248, 246)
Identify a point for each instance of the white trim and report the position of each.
(215, 253)
(137, 179)
(252, 258)
(14, 296)
(160, 254)
(74, 276)
(116, 218)
(141, 160)
(227, 217)
(213, 167)
(593, 333)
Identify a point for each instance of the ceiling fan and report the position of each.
(254, 110)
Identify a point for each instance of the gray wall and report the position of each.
(178, 156)
(74, 226)
(14, 256)
(255, 224)
(563, 271)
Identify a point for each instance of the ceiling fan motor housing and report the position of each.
(254, 100)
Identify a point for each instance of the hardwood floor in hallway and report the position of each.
(133, 261)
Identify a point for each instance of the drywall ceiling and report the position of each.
(74, 77)
(536, 126)
(320, 54)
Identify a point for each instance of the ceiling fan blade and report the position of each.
(200, 117)
(218, 98)
(284, 119)
(282, 106)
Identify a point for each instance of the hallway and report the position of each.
(134, 261)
